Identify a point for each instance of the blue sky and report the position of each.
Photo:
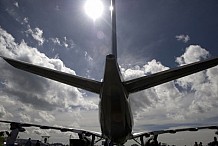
(152, 36)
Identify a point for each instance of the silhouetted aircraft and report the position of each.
(116, 118)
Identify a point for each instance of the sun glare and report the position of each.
(94, 8)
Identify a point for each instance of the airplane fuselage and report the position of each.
(115, 112)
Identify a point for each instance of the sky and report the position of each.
(152, 36)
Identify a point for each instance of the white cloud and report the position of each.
(186, 99)
(192, 54)
(88, 57)
(16, 4)
(33, 93)
(56, 41)
(25, 21)
(64, 42)
(40, 132)
(162, 98)
(176, 116)
(154, 67)
(24, 117)
(37, 35)
(12, 12)
(5, 105)
(46, 116)
(37, 120)
(2, 111)
(182, 37)
(132, 73)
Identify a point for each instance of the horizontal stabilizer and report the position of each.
(152, 80)
(69, 79)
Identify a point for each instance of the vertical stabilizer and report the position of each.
(114, 32)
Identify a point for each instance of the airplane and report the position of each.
(115, 115)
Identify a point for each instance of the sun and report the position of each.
(94, 8)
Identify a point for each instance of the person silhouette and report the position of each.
(196, 144)
(1, 138)
(12, 136)
(45, 140)
(200, 144)
(215, 142)
(28, 143)
(37, 143)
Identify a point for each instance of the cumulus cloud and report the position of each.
(192, 54)
(187, 98)
(165, 95)
(27, 94)
(206, 91)
(183, 38)
(132, 73)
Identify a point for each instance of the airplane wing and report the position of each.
(62, 129)
(69, 79)
(171, 131)
(152, 80)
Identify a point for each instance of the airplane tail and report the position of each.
(114, 32)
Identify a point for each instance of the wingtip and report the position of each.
(8, 60)
(5, 58)
(1, 56)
